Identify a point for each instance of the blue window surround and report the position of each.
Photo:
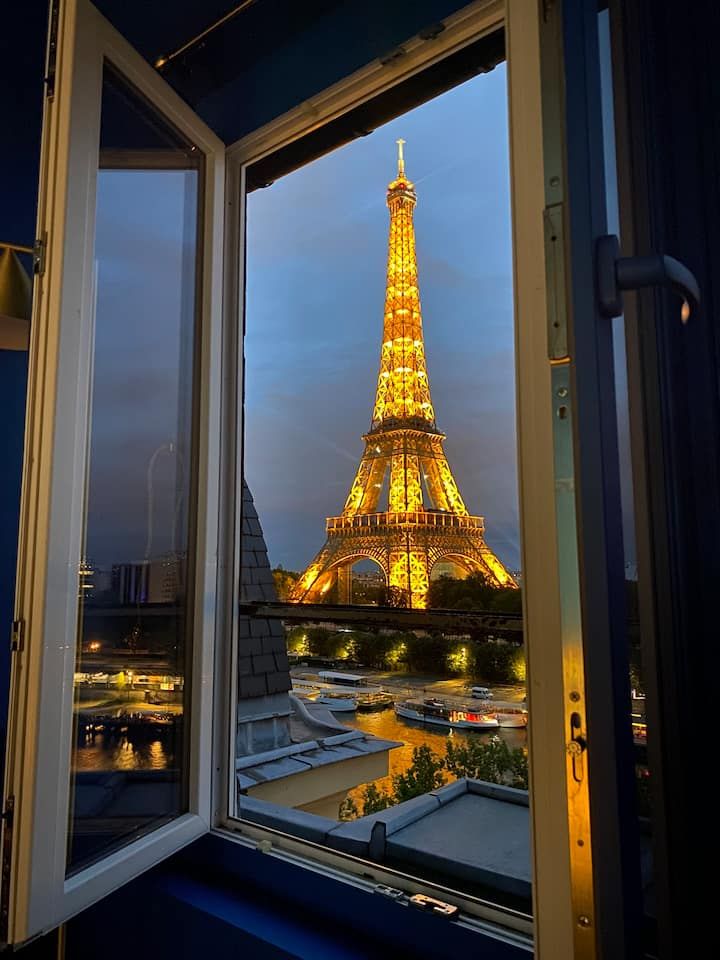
(222, 897)
(673, 92)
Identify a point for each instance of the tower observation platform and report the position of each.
(404, 509)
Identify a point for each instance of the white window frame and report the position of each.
(38, 773)
(553, 654)
(38, 895)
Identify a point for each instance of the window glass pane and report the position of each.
(380, 513)
(129, 766)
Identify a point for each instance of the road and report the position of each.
(454, 688)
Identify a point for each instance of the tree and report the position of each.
(375, 800)
(370, 649)
(325, 643)
(472, 593)
(296, 640)
(348, 810)
(498, 660)
(424, 774)
(285, 581)
(427, 654)
(507, 600)
(493, 761)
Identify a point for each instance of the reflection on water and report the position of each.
(386, 725)
(108, 752)
(112, 753)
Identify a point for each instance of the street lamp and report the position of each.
(15, 298)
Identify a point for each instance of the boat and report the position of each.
(337, 702)
(511, 717)
(442, 714)
(368, 702)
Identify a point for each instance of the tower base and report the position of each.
(406, 547)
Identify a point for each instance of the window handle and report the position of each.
(615, 274)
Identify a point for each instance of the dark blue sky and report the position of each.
(145, 251)
(317, 245)
(316, 254)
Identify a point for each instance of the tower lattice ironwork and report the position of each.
(404, 509)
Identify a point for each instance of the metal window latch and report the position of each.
(615, 274)
(432, 905)
(576, 747)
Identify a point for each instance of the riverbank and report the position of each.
(455, 689)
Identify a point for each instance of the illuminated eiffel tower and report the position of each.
(404, 509)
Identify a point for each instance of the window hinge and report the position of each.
(39, 251)
(17, 636)
(547, 8)
(51, 55)
(9, 809)
(7, 820)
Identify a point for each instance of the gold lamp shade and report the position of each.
(15, 301)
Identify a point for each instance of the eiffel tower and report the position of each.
(404, 509)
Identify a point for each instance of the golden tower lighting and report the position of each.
(404, 509)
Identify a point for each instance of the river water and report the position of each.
(113, 754)
(410, 734)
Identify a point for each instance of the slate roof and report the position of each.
(262, 663)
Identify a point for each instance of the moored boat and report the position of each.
(511, 717)
(337, 702)
(368, 702)
(442, 714)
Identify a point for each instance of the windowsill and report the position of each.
(311, 913)
(468, 835)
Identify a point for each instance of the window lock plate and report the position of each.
(432, 905)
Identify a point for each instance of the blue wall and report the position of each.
(22, 53)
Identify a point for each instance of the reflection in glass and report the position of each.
(129, 768)
(394, 666)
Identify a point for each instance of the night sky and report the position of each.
(316, 256)
(140, 433)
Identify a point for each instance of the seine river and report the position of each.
(113, 754)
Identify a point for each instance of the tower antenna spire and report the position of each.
(401, 158)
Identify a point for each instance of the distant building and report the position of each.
(86, 575)
(149, 581)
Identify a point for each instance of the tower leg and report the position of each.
(409, 576)
(344, 584)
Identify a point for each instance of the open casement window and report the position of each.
(132, 521)
(585, 856)
(119, 510)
